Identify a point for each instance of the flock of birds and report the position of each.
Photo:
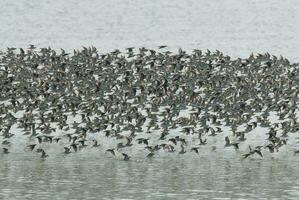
(152, 100)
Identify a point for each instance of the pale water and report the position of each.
(234, 27)
(184, 177)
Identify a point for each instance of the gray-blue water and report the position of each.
(236, 27)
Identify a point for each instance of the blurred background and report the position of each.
(235, 27)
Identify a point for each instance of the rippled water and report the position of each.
(235, 27)
(188, 177)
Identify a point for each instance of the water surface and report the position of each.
(92, 176)
(236, 27)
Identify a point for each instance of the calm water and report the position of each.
(236, 27)
(233, 26)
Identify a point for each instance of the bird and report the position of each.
(39, 139)
(176, 99)
(44, 154)
(31, 146)
(296, 151)
(228, 143)
(162, 46)
(173, 140)
(67, 150)
(183, 151)
(5, 142)
(202, 142)
(150, 155)
(111, 151)
(242, 137)
(5, 151)
(74, 146)
(126, 157)
(253, 151)
(195, 149)
(56, 139)
(95, 143)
